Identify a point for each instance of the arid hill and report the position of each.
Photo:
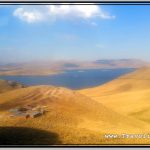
(80, 117)
(73, 117)
(9, 85)
(128, 94)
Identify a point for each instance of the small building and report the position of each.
(35, 114)
(18, 110)
(18, 114)
(27, 112)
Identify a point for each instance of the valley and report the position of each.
(81, 116)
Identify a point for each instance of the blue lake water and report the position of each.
(74, 79)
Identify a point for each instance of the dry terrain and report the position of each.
(128, 94)
(79, 117)
(6, 86)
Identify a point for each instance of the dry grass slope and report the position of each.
(128, 95)
(9, 85)
(75, 118)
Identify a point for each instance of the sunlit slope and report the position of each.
(128, 95)
(9, 85)
(74, 117)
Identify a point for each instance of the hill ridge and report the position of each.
(125, 95)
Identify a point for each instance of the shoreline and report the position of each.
(64, 71)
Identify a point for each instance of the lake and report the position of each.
(74, 79)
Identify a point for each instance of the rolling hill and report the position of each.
(128, 94)
(9, 85)
(71, 117)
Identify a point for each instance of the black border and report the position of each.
(73, 2)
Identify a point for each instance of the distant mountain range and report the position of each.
(135, 63)
(50, 68)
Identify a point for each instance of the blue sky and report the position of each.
(66, 32)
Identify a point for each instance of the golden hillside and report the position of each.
(71, 118)
(9, 85)
(128, 94)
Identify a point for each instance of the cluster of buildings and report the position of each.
(27, 111)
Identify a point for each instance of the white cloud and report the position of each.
(82, 11)
(51, 12)
(28, 16)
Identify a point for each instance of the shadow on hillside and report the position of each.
(27, 136)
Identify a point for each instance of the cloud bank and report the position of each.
(28, 16)
(35, 14)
